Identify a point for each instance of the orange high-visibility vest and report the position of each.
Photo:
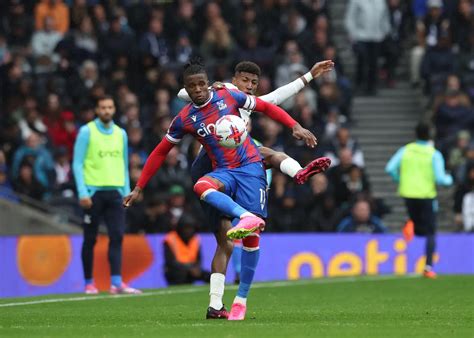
(184, 253)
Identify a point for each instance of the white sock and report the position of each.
(240, 300)
(217, 290)
(290, 167)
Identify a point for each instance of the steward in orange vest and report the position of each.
(183, 254)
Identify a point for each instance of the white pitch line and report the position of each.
(230, 287)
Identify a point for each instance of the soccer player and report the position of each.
(419, 167)
(100, 166)
(246, 78)
(236, 172)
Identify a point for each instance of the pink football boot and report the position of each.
(123, 289)
(91, 289)
(237, 312)
(245, 227)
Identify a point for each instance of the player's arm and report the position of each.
(277, 114)
(442, 178)
(152, 164)
(80, 150)
(126, 188)
(393, 166)
(285, 92)
(156, 158)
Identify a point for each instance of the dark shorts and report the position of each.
(422, 213)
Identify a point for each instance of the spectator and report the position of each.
(462, 170)
(345, 140)
(438, 62)
(117, 41)
(456, 154)
(183, 49)
(85, 41)
(79, 11)
(38, 158)
(450, 118)
(5, 55)
(43, 44)
(64, 184)
(182, 251)
(217, 45)
(26, 183)
(391, 46)
(427, 31)
(321, 211)
(6, 190)
(154, 44)
(453, 84)
(63, 132)
(19, 25)
(347, 179)
(32, 122)
(464, 201)
(463, 25)
(367, 23)
(361, 220)
(55, 9)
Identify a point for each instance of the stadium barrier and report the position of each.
(37, 265)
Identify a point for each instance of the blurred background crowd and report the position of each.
(57, 56)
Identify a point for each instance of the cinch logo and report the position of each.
(108, 153)
(206, 130)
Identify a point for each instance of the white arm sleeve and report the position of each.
(183, 94)
(283, 93)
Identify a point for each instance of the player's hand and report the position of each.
(218, 85)
(130, 198)
(85, 203)
(321, 68)
(301, 133)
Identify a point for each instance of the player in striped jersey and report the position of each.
(246, 78)
(237, 172)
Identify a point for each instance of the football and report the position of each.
(231, 131)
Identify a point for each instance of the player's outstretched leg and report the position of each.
(291, 167)
(207, 189)
(314, 167)
(250, 256)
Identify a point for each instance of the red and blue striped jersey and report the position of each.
(200, 122)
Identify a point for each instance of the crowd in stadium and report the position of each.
(57, 57)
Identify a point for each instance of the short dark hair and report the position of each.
(193, 67)
(422, 131)
(248, 67)
(102, 98)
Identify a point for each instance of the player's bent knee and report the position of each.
(251, 243)
(203, 186)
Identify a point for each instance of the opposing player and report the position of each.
(237, 172)
(246, 78)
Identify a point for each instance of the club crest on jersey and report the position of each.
(221, 105)
(193, 117)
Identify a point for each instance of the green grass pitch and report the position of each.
(341, 307)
